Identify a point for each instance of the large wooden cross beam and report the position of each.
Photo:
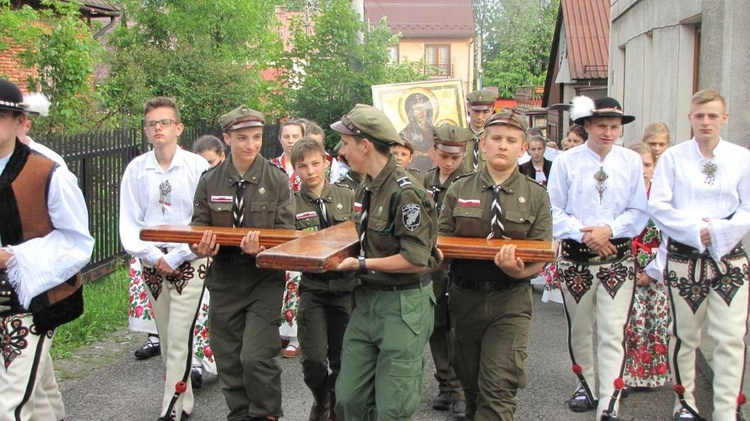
(323, 250)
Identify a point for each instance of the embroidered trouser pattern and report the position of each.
(705, 291)
(176, 301)
(27, 381)
(600, 294)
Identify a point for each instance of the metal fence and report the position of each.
(99, 159)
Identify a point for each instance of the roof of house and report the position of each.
(587, 37)
(100, 7)
(424, 18)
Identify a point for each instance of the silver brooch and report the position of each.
(262, 190)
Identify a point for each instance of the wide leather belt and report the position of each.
(401, 287)
(685, 251)
(487, 285)
(579, 252)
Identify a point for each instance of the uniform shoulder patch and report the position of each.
(403, 181)
(411, 215)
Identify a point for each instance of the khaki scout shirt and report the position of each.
(351, 179)
(467, 213)
(338, 200)
(268, 201)
(404, 223)
(468, 161)
(436, 189)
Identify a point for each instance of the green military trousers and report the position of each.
(440, 344)
(492, 339)
(244, 324)
(382, 364)
(322, 318)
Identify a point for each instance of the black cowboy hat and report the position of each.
(602, 107)
(11, 97)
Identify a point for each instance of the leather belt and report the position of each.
(487, 285)
(401, 287)
(685, 251)
(579, 252)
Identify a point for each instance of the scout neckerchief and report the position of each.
(238, 207)
(363, 223)
(320, 209)
(496, 223)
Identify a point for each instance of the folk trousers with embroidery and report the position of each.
(27, 382)
(600, 294)
(176, 302)
(703, 291)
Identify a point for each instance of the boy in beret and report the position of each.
(382, 365)
(490, 301)
(325, 298)
(245, 190)
(404, 154)
(598, 205)
(449, 148)
(480, 105)
(45, 243)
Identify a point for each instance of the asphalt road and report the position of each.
(130, 390)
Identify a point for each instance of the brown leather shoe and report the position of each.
(291, 353)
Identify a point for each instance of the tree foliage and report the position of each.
(59, 45)
(516, 39)
(208, 56)
(330, 70)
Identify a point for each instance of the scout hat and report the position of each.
(11, 98)
(407, 145)
(582, 108)
(450, 138)
(507, 117)
(240, 118)
(481, 100)
(368, 121)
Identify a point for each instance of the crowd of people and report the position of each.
(649, 238)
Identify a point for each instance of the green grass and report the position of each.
(105, 310)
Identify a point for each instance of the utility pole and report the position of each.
(480, 70)
(359, 7)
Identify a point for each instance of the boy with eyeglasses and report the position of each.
(157, 188)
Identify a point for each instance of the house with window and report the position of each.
(439, 32)
(579, 59)
(663, 51)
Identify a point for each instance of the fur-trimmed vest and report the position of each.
(24, 189)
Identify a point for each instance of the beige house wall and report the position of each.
(462, 56)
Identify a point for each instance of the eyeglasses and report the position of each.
(165, 123)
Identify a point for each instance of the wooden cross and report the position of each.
(323, 250)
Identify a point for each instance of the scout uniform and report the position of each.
(414, 171)
(473, 157)
(490, 311)
(382, 365)
(327, 305)
(245, 300)
(708, 286)
(451, 139)
(587, 190)
(44, 226)
(350, 180)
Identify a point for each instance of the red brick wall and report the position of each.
(11, 67)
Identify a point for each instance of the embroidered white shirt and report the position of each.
(151, 196)
(43, 263)
(576, 202)
(684, 199)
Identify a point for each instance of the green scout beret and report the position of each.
(368, 121)
(451, 138)
(240, 118)
(481, 100)
(507, 117)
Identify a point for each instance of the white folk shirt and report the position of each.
(49, 153)
(576, 202)
(684, 201)
(151, 196)
(43, 263)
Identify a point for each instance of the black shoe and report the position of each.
(580, 402)
(442, 402)
(458, 409)
(625, 392)
(196, 378)
(148, 350)
(683, 415)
